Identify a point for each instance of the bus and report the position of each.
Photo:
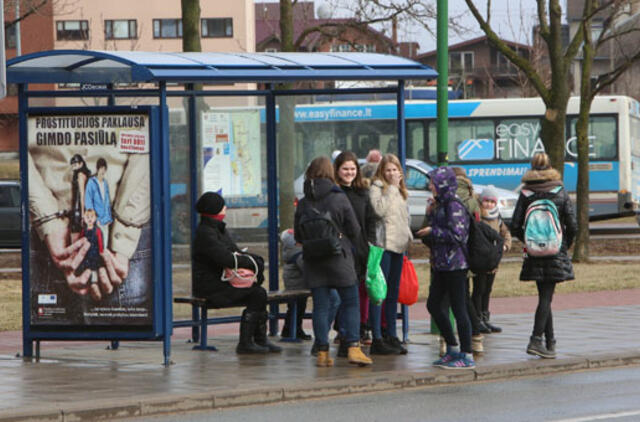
(493, 139)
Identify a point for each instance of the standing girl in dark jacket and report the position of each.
(213, 251)
(322, 274)
(448, 235)
(349, 178)
(544, 182)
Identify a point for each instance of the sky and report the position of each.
(511, 19)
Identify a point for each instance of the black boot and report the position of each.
(490, 326)
(246, 344)
(536, 348)
(300, 334)
(343, 349)
(260, 334)
(380, 347)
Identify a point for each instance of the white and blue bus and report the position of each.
(493, 139)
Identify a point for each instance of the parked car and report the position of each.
(417, 181)
(10, 221)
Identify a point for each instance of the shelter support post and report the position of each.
(27, 342)
(167, 319)
(193, 193)
(272, 204)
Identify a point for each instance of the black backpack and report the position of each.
(484, 247)
(318, 232)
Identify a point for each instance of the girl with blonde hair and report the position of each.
(388, 194)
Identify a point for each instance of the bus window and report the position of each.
(635, 135)
(415, 140)
(518, 139)
(469, 140)
(602, 138)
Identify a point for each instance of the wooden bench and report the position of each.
(200, 324)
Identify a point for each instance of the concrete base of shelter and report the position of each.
(81, 381)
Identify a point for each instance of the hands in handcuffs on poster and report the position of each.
(79, 250)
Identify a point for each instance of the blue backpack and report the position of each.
(542, 228)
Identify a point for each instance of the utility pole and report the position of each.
(443, 81)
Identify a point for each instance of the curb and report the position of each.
(159, 405)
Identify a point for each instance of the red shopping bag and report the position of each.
(408, 292)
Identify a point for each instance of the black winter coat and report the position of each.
(559, 267)
(339, 270)
(367, 218)
(212, 253)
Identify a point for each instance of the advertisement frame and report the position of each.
(157, 329)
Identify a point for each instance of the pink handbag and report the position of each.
(240, 278)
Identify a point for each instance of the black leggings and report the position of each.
(453, 284)
(544, 319)
(482, 286)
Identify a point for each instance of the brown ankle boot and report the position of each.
(357, 357)
(323, 359)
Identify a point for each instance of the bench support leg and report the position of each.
(195, 315)
(293, 323)
(203, 332)
(113, 345)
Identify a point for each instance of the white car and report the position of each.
(417, 181)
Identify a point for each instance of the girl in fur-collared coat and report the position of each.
(544, 182)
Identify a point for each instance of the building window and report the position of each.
(270, 50)
(340, 47)
(10, 37)
(72, 30)
(216, 27)
(167, 28)
(461, 61)
(366, 48)
(120, 29)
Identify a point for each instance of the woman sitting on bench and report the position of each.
(213, 252)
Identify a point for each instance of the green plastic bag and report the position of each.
(376, 283)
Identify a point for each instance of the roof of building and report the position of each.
(85, 66)
(473, 41)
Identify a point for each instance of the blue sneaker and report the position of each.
(463, 362)
(446, 359)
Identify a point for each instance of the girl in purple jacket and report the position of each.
(447, 236)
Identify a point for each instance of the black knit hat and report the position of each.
(210, 203)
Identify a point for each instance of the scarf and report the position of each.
(491, 214)
(218, 217)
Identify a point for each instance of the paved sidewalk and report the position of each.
(83, 381)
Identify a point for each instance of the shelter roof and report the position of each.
(86, 66)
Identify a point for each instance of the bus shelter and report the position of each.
(97, 178)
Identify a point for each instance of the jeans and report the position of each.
(544, 319)
(323, 317)
(455, 284)
(391, 266)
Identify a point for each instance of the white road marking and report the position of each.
(600, 417)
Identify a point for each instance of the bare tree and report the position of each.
(556, 91)
(623, 36)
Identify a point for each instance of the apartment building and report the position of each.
(141, 25)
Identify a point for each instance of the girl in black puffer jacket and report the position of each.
(349, 178)
(544, 182)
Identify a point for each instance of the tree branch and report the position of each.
(542, 19)
(31, 11)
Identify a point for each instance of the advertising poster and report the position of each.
(89, 187)
(231, 152)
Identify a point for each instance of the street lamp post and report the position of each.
(443, 80)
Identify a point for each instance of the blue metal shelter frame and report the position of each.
(105, 69)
